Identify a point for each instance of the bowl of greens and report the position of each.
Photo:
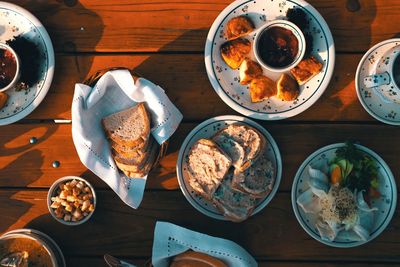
(344, 195)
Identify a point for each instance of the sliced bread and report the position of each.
(121, 149)
(234, 205)
(134, 157)
(257, 180)
(132, 166)
(249, 138)
(207, 167)
(234, 150)
(129, 127)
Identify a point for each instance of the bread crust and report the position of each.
(142, 146)
(196, 259)
(135, 142)
(132, 171)
(135, 157)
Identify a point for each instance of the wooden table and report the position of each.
(164, 40)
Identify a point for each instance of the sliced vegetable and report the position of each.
(375, 183)
(374, 193)
(336, 174)
(343, 165)
(358, 170)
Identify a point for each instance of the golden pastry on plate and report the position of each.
(249, 70)
(238, 27)
(235, 51)
(306, 69)
(262, 88)
(288, 89)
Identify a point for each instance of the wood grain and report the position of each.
(162, 25)
(274, 234)
(25, 165)
(99, 262)
(184, 78)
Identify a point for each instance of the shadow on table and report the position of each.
(13, 207)
(353, 12)
(68, 11)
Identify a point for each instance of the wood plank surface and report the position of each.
(25, 165)
(274, 234)
(184, 78)
(110, 26)
(99, 262)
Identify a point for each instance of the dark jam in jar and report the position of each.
(277, 47)
(8, 67)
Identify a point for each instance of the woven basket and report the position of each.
(92, 80)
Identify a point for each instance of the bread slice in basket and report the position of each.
(129, 127)
(133, 149)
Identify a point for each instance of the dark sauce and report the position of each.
(277, 47)
(396, 71)
(30, 59)
(8, 67)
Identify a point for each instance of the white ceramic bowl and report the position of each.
(52, 193)
(15, 80)
(296, 32)
(386, 204)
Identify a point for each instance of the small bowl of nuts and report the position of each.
(71, 200)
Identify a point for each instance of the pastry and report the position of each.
(234, 52)
(287, 88)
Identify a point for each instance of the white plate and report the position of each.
(15, 20)
(207, 129)
(386, 204)
(378, 107)
(226, 81)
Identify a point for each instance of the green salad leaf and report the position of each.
(359, 171)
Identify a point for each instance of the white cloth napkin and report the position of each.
(115, 91)
(170, 240)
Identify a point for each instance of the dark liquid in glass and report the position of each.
(277, 47)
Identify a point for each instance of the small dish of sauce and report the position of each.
(9, 67)
(279, 45)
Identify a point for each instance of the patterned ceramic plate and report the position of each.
(386, 204)
(16, 21)
(207, 129)
(377, 106)
(226, 81)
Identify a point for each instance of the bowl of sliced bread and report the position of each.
(229, 168)
(133, 148)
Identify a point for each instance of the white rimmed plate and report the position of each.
(207, 129)
(376, 105)
(226, 81)
(386, 204)
(14, 21)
